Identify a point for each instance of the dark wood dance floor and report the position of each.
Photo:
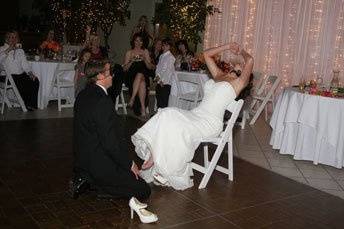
(35, 168)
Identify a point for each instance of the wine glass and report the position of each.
(302, 84)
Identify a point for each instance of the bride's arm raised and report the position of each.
(244, 78)
(209, 54)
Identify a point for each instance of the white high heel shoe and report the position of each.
(137, 203)
(144, 215)
(159, 180)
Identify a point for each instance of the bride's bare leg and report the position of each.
(148, 163)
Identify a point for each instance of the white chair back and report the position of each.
(224, 137)
(196, 95)
(120, 101)
(264, 95)
(70, 51)
(63, 79)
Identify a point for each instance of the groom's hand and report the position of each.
(135, 170)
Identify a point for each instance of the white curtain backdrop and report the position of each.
(292, 39)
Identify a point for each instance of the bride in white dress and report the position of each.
(167, 141)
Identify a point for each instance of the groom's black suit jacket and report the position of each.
(99, 146)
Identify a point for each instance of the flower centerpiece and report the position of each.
(50, 49)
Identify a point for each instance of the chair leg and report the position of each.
(155, 105)
(58, 98)
(124, 105)
(245, 116)
(261, 107)
(206, 156)
(3, 100)
(211, 167)
(230, 159)
(116, 103)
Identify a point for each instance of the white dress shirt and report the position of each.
(102, 87)
(15, 60)
(165, 68)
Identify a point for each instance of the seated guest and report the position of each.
(93, 43)
(50, 42)
(184, 56)
(101, 152)
(137, 64)
(13, 59)
(80, 80)
(164, 73)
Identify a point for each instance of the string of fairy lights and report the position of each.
(282, 50)
(339, 42)
(96, 13)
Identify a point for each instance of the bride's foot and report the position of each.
(159, 180)
(148, 163)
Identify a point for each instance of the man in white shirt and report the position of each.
(164, 72)
(13, 59)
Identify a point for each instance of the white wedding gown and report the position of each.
(172, 135)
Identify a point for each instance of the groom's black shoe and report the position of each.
(78, 186)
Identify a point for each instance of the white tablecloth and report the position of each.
(309, 127)
(45, 73)
(186, 87)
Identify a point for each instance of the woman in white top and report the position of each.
(14, 62)
(167, 142)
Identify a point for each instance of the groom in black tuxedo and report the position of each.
(101, 155)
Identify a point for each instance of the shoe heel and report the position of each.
(131, 213)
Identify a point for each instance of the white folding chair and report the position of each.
(257, 83)
(193, 97)
(6, 86)
(71, 50)
(263, 96)
(225, 137)
(63, 79)
(120, 101)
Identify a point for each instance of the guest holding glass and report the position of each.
(92, 42)
(184, 56)
(14, 61)
(164, 73)
(137, 64)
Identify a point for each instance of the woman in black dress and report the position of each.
(137, 64)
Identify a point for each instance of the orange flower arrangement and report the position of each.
(51, 45)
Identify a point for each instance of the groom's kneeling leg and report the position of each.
(128, 187)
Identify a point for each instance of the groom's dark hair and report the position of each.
(167, 41)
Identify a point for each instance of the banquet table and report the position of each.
(309, 127)
(44, 70)
(185, 87)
